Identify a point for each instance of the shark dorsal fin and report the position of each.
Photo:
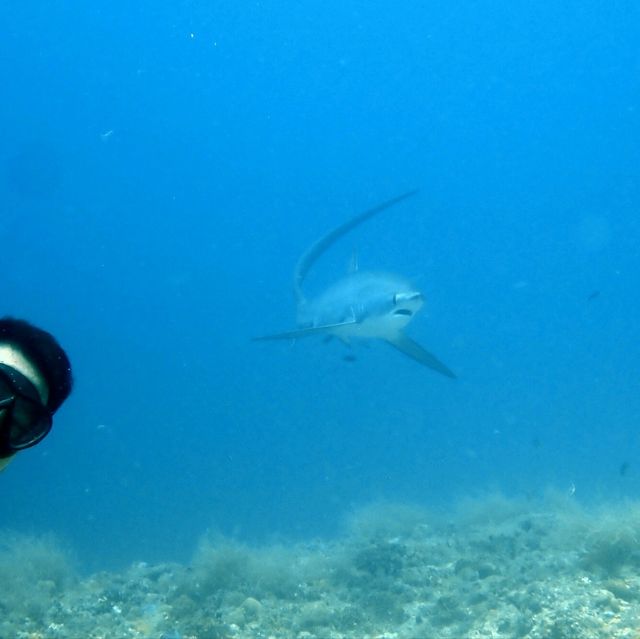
(309, 258)
(353, 263)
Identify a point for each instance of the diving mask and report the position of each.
(24, 419)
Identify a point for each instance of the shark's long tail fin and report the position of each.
(318, 248)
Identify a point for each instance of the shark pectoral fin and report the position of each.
(326, 329)
(302, 332)
(413, 350)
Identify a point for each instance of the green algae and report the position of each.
(496, 569)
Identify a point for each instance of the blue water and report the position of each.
(163, 166)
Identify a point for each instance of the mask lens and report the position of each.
(24, 419)
(29, 424)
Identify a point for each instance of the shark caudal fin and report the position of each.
(320, 246)
(413, 350)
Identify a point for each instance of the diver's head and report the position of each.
(35, 379)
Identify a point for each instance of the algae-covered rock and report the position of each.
(313, 616)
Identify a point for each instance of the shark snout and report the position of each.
(407, 303)
(409, 296)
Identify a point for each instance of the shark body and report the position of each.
(361, 305)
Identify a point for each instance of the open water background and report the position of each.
(164, 164)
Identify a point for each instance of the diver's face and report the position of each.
(13, 357)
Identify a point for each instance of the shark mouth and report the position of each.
(403, 311)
